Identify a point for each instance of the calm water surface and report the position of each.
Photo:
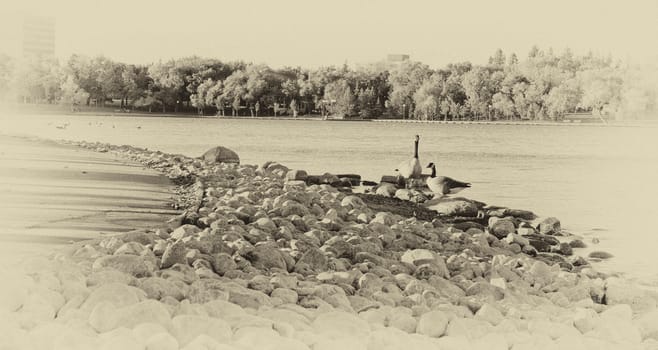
(600, 181)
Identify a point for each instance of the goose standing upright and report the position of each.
(443, 185)
(411, 168)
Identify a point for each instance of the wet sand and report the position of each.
(53, 194)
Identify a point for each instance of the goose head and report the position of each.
(417, 138)
(430, 165)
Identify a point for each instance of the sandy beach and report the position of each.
(53, 194)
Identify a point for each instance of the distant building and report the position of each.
(397, 58)
(38, 36)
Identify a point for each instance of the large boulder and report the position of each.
(550, 226)
(265, 257)
(130, 264)
(501, 228)
(386, 189)
(221, 154)
(453, 207)
(433, 323)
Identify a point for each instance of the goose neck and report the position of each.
(416, 149)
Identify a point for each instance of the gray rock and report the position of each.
(486, 290)
(564, 249)
(417, 256)
(133, 248)
(291, 207)
(158, 288)
(260, 283)
(501, 228)
(577, 243)
(352, 202)
(205, 290)
(600, 255)
(266, 257)
(184, 231)
(315, 259)
(284, 281)
(221, 154)
(521, 214)
(266, 224)
(174, 254)
(130, 264)
(288, 296)
(296, 175)
(433, 324)
(246, 298)
(117, 294)
(360, 304)
(542, 243)
(445, 288)
(403, 194)
(454, 207)
(550, 226)
(223, 263)
(386, 189)
(110, 275)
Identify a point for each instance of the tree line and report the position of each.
(542, 86)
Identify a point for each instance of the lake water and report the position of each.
(600, 181)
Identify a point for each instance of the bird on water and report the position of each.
(411, 169)
(443, 185)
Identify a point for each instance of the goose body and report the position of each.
(411, 168)
(443, 185)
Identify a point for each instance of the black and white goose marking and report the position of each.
(411, 168)
(443, 185)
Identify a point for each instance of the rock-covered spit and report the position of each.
(263, 259)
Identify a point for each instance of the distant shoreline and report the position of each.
(91, 111)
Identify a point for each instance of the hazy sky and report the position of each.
(312, 33)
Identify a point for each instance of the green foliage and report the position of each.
(544, 85)
(339, 98)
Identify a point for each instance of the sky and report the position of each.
(311, 33)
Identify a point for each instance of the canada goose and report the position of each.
(411, 168)
(443, 185)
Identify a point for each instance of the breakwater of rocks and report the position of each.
(265, 257)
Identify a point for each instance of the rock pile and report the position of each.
(261, 259)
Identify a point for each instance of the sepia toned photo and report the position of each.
(306, 175)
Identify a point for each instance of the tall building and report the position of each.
(38, 36)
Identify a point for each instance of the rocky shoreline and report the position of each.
(266, 257)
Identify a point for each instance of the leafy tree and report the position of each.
(404, 81)
(200, 98)
(340, 99)
(367, 103)
(38, 79)
(601, 89)
(109, 76)
(563, 98)
(503, 104)
(512, 61)
(427, 98)
(6, 72)
(498, 59)
(72, 94)
(293, 107)
(136, 84)
(479, 89)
